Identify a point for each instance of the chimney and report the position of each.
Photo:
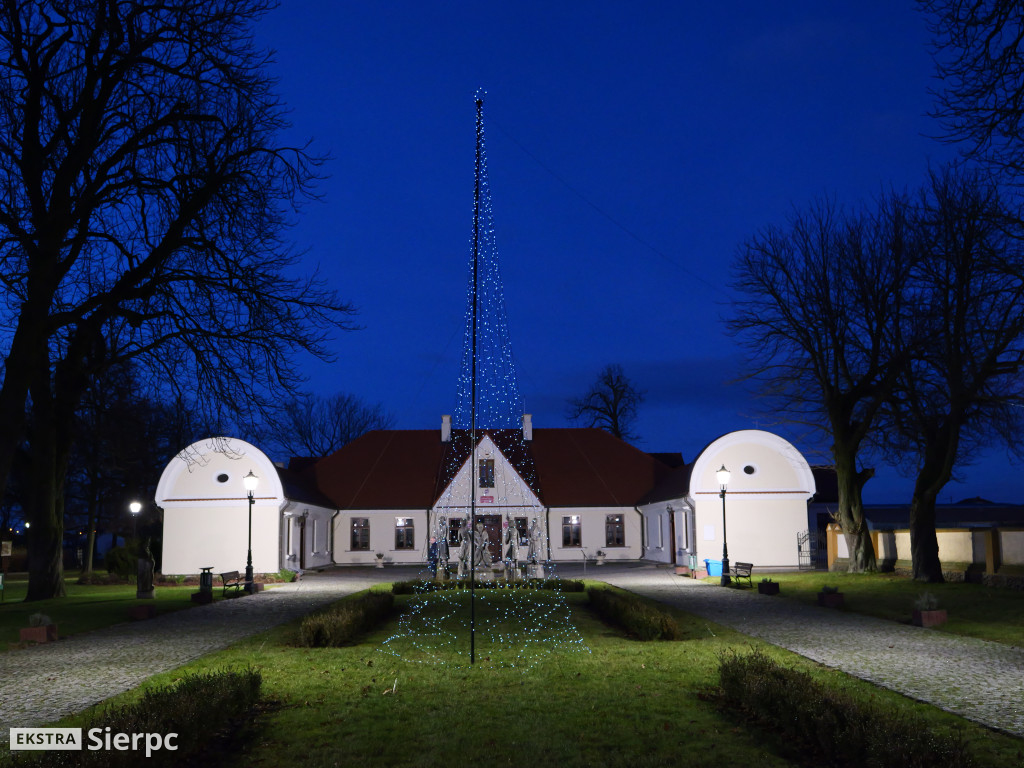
(527, 427)
(446, 429)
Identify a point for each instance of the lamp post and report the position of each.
(135, 507)
(723, 481)
(250, 482)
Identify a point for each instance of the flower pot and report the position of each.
(380, 562)
(831, 599)
(43, 634)
(682, 570)
(142, 612)
(929, 618)
(599, 560)
(768, 587)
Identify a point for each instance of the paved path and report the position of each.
(979, 680)
(46, 682)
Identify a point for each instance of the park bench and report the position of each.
(742, 571)
(231, 579)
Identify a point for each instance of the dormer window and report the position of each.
(486, 475)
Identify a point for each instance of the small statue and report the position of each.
(144, 584)
(511, 551)
(465, 543)
(534, 552)
(482, 554)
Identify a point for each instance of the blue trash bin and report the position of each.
(714, 567)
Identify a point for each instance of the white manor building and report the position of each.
(389, 491)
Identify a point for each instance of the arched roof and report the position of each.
(759, 462)
(210, 471)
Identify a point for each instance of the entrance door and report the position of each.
(492, 525)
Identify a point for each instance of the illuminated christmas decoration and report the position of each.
(490, 508)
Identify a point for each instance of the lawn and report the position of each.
(614, 702)
(974, 610)
(87, 607)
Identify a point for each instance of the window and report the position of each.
(571, 531)
(523, 530)
(360, 533)
(405, 533)
(614, 531)
(454, 526)
(486, 476)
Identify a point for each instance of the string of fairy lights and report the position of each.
(522, 618)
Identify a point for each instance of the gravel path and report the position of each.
(46, 682)
(979, 680)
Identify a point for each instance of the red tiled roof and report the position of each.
(409, 469)
(590, 467)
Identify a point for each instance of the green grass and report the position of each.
(620, 703)
(974, 610)
(86, 607)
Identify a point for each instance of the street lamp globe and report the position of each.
(250, 482)
(723, 476)
(135, 507)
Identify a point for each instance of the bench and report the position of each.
(231, 579)
(742, 571)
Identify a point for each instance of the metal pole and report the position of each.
(472, 417)
(725, 547)
(248, 562)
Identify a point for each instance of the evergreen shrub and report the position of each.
(638, 618)
(342, 622)
(827, 726)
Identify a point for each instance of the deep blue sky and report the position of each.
(632, 146)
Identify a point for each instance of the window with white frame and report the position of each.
(360, 534)
(405, 533)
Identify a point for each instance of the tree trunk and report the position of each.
(936, 470)
(46, 534)
(851, 509)
(924, 543)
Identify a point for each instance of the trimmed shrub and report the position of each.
(197, 708)
(827, 726)
(636, 617)
(343, 622)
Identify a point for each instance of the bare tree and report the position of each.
(144, 197)
(964, 389)
(312, 425)
(611, 403)
(821, 301)
(979, 57)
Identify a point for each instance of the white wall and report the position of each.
(659, 518)
(217, 536)
(206, 509)
(382, 537)
(315, 522)
(592, 533)
(766, 501)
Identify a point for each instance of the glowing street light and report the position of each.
(135, 507)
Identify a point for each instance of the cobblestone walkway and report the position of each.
(979, 680)
(46, 682)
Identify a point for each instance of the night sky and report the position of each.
(632, 147)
